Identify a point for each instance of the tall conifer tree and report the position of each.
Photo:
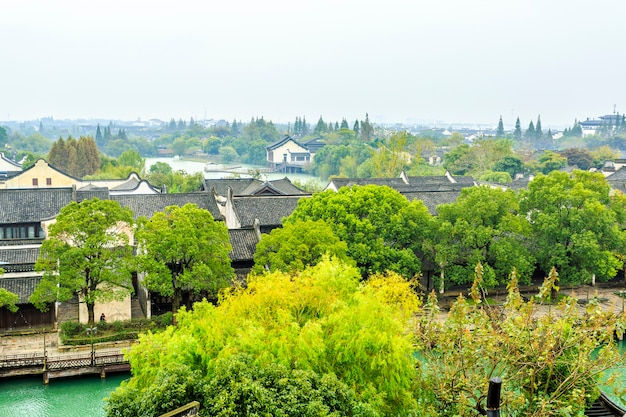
(500, 131)
(518, 130)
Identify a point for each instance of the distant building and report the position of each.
(593, 126)
(287, 155)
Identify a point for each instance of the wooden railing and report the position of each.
(62, 361)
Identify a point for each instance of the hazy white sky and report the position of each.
(419, 60)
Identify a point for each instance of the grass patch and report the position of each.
(74, 333)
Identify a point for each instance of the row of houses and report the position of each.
(249, 208)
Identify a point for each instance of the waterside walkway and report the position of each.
(41, 354)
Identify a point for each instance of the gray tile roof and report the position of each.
(131, 184)
(619, 175)
(395, 183)
(250, 186)
(238, 185)
(32, 205)
(270, 210)
(23, 287)
(90, 191)
(148, 204)
(467, 181)
(432, 199)
(244, 243)
(18, 255)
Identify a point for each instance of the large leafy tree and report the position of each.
(274, 347)
(298, 245)
(382, 228)
(88, 254)
(483, 226)
(183, 249)
(575, 226)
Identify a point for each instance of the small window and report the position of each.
(35, 182)
(48, 181)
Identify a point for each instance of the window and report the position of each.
(48, 181)
(35, 182)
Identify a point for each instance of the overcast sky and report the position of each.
(399, 61)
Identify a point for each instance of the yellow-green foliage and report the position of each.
(322, 320)
(550, 360)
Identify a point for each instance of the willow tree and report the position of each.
(315, 343)
(183, 249)
(87, 254)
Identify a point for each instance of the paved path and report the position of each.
(33, 344)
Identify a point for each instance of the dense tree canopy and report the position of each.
(298, 245)
(484, 226)
(316, 329)
(574, 225)
(75, 157)
(382, 228)
(88, 254)
(183, 249)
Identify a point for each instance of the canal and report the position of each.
(70, 397)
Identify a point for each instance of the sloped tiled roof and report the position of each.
(18, 255)
(91, 191)
(148, 204)
(395, 183)
(131, 184)
(23, 287)
(270, 210)
(238, 185)
(32, 205)
(286, 187)
(619, 175)
(251, 186)
(440, 180)
(432, 199)
(282, 141)
(244, 243)
(274, 187)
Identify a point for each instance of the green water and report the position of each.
(69, 397)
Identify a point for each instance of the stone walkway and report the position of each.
(33, 344)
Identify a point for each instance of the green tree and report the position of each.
(298, 245)
(161, 168)
(321, 127)
(485, 228)
(7, 298)
(551, 161)
(366, 130)
(530, 133)
(574, 225)
(391, 157)
(538, 130)
(580, 158)
(517, 133)
(317, 325)
(99, 139)
(511, 164)
(500, 130)
(87, 156)
(184, 249)
(88, 254)
(4, 137)
(550, 363)
(131, 158)
(382, 228)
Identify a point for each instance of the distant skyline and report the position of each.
(452, 61)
